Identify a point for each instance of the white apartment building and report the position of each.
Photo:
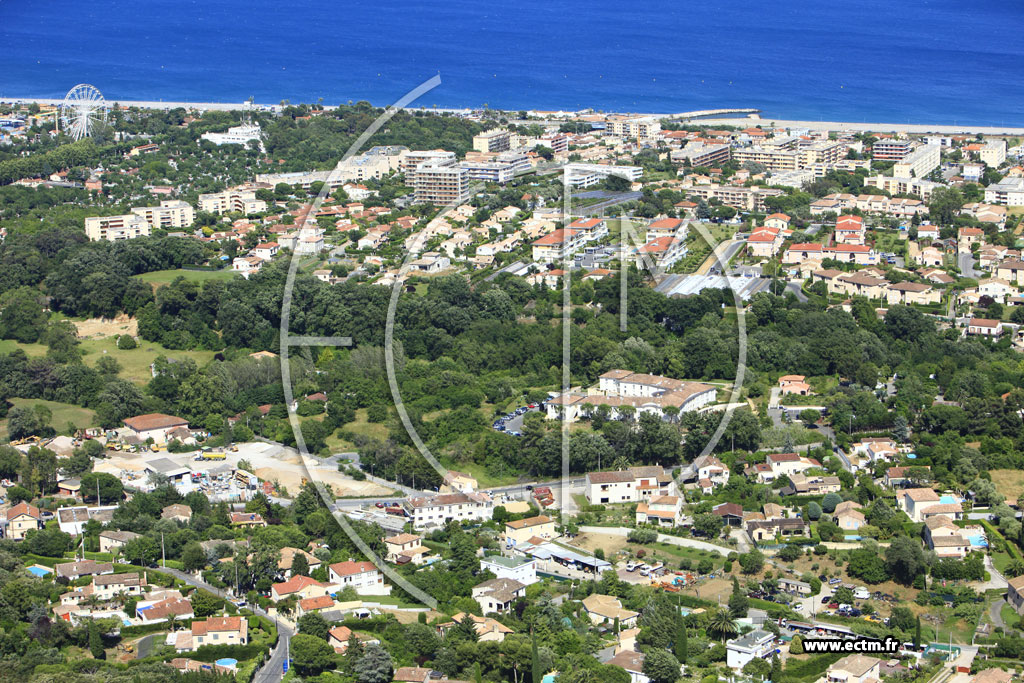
(496, 140)
(919, 163)
(643, 128)
(1007, 192)
(170, 214)
(585, 175)
(993, 154)
(114, 228)
(438, 510)
(235, 200)
(441, 183)
(903, 185)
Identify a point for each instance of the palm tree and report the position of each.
(1015, 568)
(722, 625)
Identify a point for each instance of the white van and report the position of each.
(861, 593)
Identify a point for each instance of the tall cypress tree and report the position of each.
(917, 633)
(681, 647)
(538, 677)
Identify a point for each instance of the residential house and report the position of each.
(731, 513)
(516, 568)
(247, 519)
(633, 663)
(628, 486)
(756, 644)
(154, 426)
(438, 510)
(363, 576)
(288, 556)
(1011, 271)
(113, 541)
(21, 519)
(794, 384)
(488, 630)
(769, 529)
(498, 595)
(984, 327)
(765, 242)
(218, 631)
(298, 585)
(660, 511)
(79, 568)
(606, 609)
(521, 530)
(898, 477)
(913, 501)
(1015, 594)
(405, 549)
(177, 512)
(854, 669)
(945, 538)
(912, 293)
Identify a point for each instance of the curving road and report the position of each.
(662, 538)
(273, 669)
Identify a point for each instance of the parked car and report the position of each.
(632, 566)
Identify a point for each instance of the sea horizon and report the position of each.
(800, 61)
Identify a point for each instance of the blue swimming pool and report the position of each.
(978, 541)
(227, 662)
(36, 570)
(549, 678)
(948, 499)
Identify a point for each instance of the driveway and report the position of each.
(995, 612)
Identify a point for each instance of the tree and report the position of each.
(796, 646)
(738, 602)
(374, 666)
(917, 633)
(707, 524)
(661, 666)
(300, 565)
(205, 603)
(867, 565)
(752, 562)
(193, 557)
(110, 488)
(96, 641)
(905, 559)
(830, 501)
(682, 647)
(721, 625)
(844, 595)
(535, 672)
(312, 655)
(313, 624)
(813, 511)
(757, 668)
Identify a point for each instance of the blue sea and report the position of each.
(903, 61)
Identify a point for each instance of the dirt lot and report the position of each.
(107, 327)
(270, 462)
(717, 590)
(591, 542)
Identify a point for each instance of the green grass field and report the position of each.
(63, 414)
(159, 278)
(134, 363)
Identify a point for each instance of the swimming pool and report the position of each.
(948, 499)
(978, 541)
(36, 570)
(227, 662)
(549, 678)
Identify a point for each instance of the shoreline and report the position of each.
(698, 117)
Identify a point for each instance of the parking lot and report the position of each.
(512, 423)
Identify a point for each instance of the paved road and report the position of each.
(797, 292)
(662, 538)
(273, 669)
(599, 208)
(995, 612)
(722, 253)
(965, 261)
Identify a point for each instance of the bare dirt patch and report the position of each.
(610, 543)
(107, 327)
(1009, 483)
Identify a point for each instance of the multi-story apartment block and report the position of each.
(1007, 192)
(114, 228)
(556, 246)
(235, 200)
(919, 163)
(410, 160)
(585, 175)
(170, 214)
(640, 128)
(700, 154)
(496, 140)
(891, 150)
(904, 185)
(441, 183)
(993, 154)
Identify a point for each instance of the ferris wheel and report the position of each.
(81, 111)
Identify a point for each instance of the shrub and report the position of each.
(126, 342)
